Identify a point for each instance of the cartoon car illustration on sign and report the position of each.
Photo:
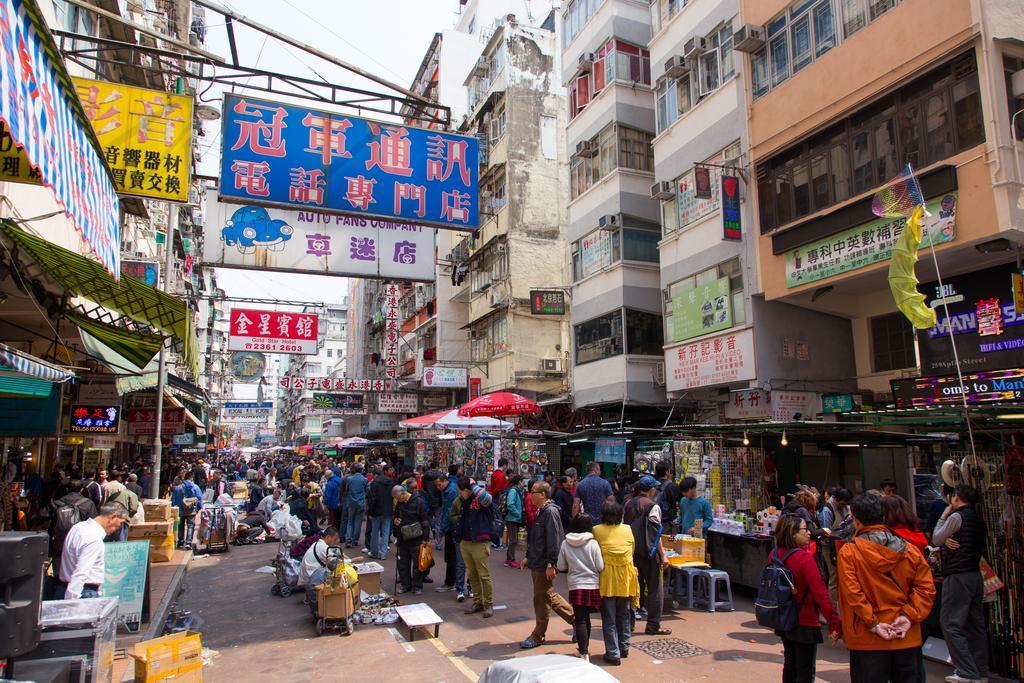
(251, 226)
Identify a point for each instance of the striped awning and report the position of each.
(27, 365)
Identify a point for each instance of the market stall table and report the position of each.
(417, 616)
(741, 556)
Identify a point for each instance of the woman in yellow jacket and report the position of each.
(620, 587)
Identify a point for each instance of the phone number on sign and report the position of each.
(273, 346)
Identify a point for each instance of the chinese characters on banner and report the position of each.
(146, 136)
(710, 362)
(245, 236)
(397, 403)
(142, 421)
(285, 154)
(333, 384)
(391, 330)
(749, 404)
(273, 331)
(242, 411)
(788, 405)
(595, 252)
(732, 225)
(543, 302)
(866, 244)
(43, 117)
(438, 377)
(95, 419)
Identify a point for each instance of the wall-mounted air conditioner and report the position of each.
(695, 47)
(676, 66)
(748, 38)
(662, 190)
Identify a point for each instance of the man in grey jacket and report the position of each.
(542, 546)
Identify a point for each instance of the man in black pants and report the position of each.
(448, 493)
(643, 515)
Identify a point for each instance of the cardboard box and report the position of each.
(176, 657)
(240, 490)
(335, 603)
(370, 574)
(157, 510)
(691, 549)
(161, 549)
(149, 530)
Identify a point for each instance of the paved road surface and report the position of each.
(262, 638)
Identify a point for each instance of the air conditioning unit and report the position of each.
(676, 66)
(586, 62)
(607, 221)
(551, 365)
(498, 298)
(695, 47)
(748, 38)
(659, 374)
(662, 190)
(586, 148)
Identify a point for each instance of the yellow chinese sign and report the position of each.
(146, 136)
(14, 164)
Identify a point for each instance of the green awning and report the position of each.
(130, 297)
(138, 348)
(18, 385)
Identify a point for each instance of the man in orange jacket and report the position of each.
(885, 592)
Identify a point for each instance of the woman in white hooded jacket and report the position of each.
(580, 556)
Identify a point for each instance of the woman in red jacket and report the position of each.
(801, 644)
(900, 518)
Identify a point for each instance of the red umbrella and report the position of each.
(499, 403)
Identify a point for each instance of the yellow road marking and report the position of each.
(454, 659)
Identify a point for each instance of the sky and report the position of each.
(385, 37)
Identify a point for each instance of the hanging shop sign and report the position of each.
(595, 252)
(610, 450)
(547, 302)
(989, 386)
(866, 244)
(987, 325)
(447, 378)
(273, 331)
(103, 442)
(142, 421)
(391, 330)
(146, 137)
(334, 384)
(710, 362)
(276, 153)
(183, 439)
(339, 401)
(749, 404)
(147, 271)
(246, 411)
(73, 441)
(838, 403)
(45, 120)
(702, 310)
(475, 387)
(732, 223)
(702, 182)
(690, 206)
(247, 366)
(382, 423)
(98, 394)
(95, 419)
(432, 401)
(397, 403)
(293, 241)
(788, 406)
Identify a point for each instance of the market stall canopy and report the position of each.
(20, 363)
(352, 441)
(500, 403)
(130, 297)
(450, 419)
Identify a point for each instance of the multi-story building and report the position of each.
(613, 223)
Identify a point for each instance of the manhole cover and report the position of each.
(668, 648)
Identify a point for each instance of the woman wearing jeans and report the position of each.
(801, 644)
(513, 518)
(580, 556)
(620, 587)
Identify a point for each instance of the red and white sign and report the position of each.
(397, 403)
(333, 384)
(142, 421)
(273, 331)
(750, 404)
(786, 405)
(722, 359)
(391, 330)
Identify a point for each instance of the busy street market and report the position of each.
(512, 341)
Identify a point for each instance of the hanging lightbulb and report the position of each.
(746, 440)
(784, 442)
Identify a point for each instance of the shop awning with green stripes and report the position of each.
(138, 348)
(130, 297)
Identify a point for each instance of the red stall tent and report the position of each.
(451, 419)
(499, 404)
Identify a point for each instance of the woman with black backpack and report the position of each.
(800, 644)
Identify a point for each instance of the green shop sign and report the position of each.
(866, 244)
(702, 310)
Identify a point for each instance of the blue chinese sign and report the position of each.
(732, 225)
(95, 419)
(610, 450)
(275, 153)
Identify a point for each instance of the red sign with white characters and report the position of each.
(334, 384)
(273, 331)
(142, 421)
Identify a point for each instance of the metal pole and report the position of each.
(154, 480)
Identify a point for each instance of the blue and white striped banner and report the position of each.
(12, 360)
(38, 107)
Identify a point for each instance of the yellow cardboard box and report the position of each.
(157, 510)
(335, 603)
(176, 657)
(161, 549)
(149, 530)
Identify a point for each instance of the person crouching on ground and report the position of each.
(620, 587)
(580, 557)
(544, 541)
(800, 645)
(413, 524)
(473, 532)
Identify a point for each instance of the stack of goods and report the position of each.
(158, 529)
(767, 520)
(377, 609)
(686, 551)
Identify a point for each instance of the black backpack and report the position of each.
(776, 606)
(63, 516)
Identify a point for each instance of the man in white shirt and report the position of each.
(313, 570)
(82, 562)
(268, 504)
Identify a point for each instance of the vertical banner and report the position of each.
(391, 330)
(124, 577)
(732, 226)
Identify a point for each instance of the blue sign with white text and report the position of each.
(283, 154)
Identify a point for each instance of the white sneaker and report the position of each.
(957, 678)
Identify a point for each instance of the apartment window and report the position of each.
(796, 38)
(495, 193)
(614, 60)
(602, 248)
(892, 343)
(731, 269)
(926, 121)
(330, 353)
(673, 100)
(662, 11)
(489, 337)
(599, 338)
(496, 125)
(579, 94)
(1012, 65)
(643, 333)
(576, 16)
(615, 146)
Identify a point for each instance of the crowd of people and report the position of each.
(866, 567)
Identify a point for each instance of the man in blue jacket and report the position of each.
(452, 580)
(332, 498)
(474, 535)
(189, 500)
(356, 485)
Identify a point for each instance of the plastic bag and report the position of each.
(426, 557)
(285, 525)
